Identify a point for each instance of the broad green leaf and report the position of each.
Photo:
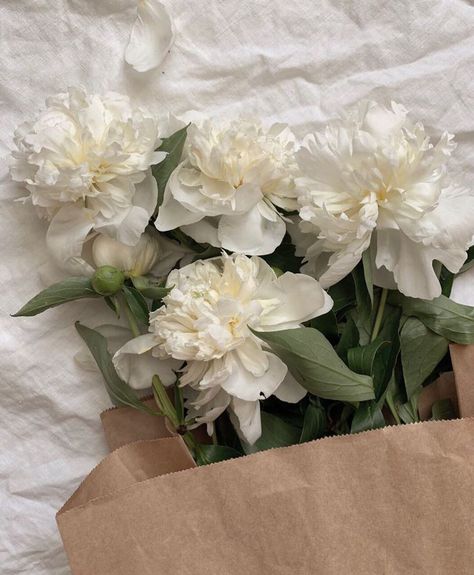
(367, 416)
(314, 423)
(387, 357)
(275, 433)
(445, 317)
(314, 363)
(119, 391)
(421, 351)
(446, 279)
(137, 304)
(67, 290)
(214, 453)
(150, 287)
(327, 325)
(174, 148)
(443, 409)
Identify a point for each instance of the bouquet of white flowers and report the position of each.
(284, 291)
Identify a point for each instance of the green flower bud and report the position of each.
(107, 280)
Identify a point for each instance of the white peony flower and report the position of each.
(231, 185)
(86, 162)
(153, 254)
(151, 37)
(374, 176)
(206, 322)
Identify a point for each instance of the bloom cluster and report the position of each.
(254, 270)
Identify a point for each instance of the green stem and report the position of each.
(132, 322)
(379, 316)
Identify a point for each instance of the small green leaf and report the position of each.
(408, 411)
(150, 287)
(214, 453)
(445, 317)
(120, 393)
(443, 409)
(275, 433)
(362, 315)
(314, 423)
(137, 304)
(174, 148)
(114, 304)
(469, 260)
(421, 351)
(65, 291)
(367, 258)
(367, 416)
(314, 363)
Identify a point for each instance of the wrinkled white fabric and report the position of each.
(299, 63)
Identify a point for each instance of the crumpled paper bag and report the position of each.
(391, 501)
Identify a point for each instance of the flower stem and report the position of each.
(132, 322)
(379, 316)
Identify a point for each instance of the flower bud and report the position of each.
(133, 261)
(107, 280)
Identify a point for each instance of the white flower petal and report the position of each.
(204, 232)
(290, 390)
(251, 233)
(245, 416)
(243, 384)
(302, 299)
(411, 264)
(136, 365)
(151, 37)
(66, 235)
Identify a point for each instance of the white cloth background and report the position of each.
(298, 62)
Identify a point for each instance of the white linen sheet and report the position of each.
(298, 62)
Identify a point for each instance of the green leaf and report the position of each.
(327, 325)
(114, 304)
(349, 338)
(150, 287)
(443, 409)
(67, 290)
(137, 304)
(362, 315)
(375, 359)
(119, 391)
(314, 363)
(445, 317)
(367, 258)
(469, 261)
(214, 453)
(421, 351)
(284, 257)
(174, 148)
(343, 295)
(314, 423)
(408, 411)
(275, 433)
(367, 416)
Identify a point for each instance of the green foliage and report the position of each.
(162, 171)
(68, 290)
(120, 392)
(314, 363)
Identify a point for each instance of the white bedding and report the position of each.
(298, 62)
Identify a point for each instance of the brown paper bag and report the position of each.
(392, 501)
